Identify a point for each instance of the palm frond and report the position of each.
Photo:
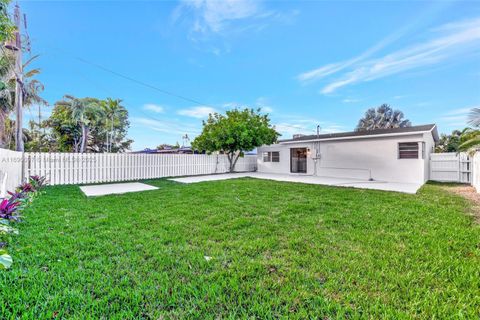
(30, 60)
(474, 117)
(470, 145)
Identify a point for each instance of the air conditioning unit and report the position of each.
(297, 135)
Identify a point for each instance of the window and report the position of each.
(408, 150)
(266, 156)
(273, 156)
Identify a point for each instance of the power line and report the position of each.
(127, 105)
(142, 83)
(139, 82)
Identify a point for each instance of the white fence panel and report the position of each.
(74, 168)
(476, 171)
(10, 170)
(450, 167)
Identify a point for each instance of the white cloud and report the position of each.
(214, 24)
(197, 112)
(307, 127)
(350, 100)
(154, 108)
(214, 15)
(451, 40)
(263, 104)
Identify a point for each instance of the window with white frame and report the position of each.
(272, 156)
(266, 157)
(275, 156)
(408, 150)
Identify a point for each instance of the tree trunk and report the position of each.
(84, 138)
(3, 127)
(236, 159)
(232, 159)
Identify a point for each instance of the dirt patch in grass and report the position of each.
(469, 193)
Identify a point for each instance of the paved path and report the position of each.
(330, 181)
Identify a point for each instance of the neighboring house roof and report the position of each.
(181, 150)
(368, 133)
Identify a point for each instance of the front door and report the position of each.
(298, 160)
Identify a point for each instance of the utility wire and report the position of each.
(139, 82)
(142, 83)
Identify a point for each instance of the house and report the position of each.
(168, 150)
(391, 155)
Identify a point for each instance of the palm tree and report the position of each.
(383, 117)
(6, 99)
(84, 112)
(31, 89)
(471, 140)
(114, 113)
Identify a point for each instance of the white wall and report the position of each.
(357, 158)
(284, 165)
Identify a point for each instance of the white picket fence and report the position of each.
(75, 168)
(476, 171)
(450, 167)
(10, 170)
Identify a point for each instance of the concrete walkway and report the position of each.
(115, 188)
(329, 181)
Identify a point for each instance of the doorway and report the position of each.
(298, 160)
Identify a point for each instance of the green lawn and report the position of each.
(278, 250)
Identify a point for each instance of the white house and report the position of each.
(392, 155)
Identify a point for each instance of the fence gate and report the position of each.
(451, 167)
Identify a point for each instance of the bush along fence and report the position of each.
(11, 209)
(78, 168)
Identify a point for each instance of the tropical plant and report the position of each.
(7, 27)
(383, 117)
(470, 141)
(9, 209)
(6, 96)
(37, 182)
(106, 130)
(84, 112)
(17, 195)
(115, 116)
(235, 132)
(451, 142)
(31, 90)
(5, 259)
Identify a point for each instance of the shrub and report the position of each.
(9, 209)
(37, 182)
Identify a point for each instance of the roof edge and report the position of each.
(431, 128)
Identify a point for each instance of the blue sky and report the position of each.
(304, 62)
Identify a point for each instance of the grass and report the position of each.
(278, 250)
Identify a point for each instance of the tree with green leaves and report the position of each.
(116, 118)
(7, 28)
(235, 132)
(451, 142)
(471, 140)
(31, 90)
(383, 117)
(89, 124)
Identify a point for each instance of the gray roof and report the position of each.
(412, 129)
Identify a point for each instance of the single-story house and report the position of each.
(392, 155)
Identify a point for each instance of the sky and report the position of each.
(306, 63)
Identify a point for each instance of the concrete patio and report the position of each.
(309, 179)
(115, 188)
